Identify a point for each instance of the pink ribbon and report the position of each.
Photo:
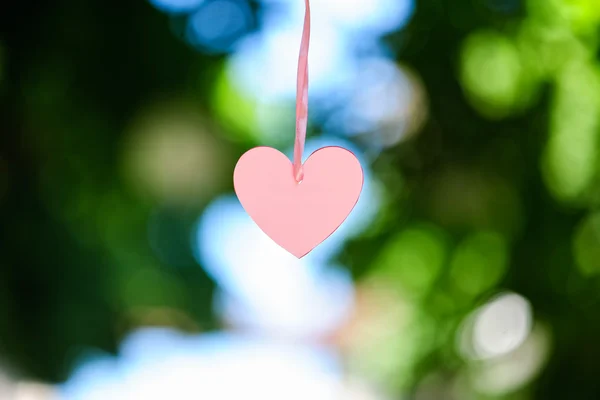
(302, 97)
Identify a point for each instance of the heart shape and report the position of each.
(298, 216)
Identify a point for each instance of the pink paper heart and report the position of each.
(298, 216)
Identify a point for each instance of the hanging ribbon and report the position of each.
(302, 97)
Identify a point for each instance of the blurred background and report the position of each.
(469, 269)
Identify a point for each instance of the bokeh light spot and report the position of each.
(502, 325)
(479, 262)
(492, 74)
(414, 258)
(497, 328)
(172, 155)
(386, 104)
(375, 16)
(264, 65)
(218, 24)
(570, 157)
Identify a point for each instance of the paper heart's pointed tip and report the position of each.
(300, 255)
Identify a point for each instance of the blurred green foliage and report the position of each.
(498, 189)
